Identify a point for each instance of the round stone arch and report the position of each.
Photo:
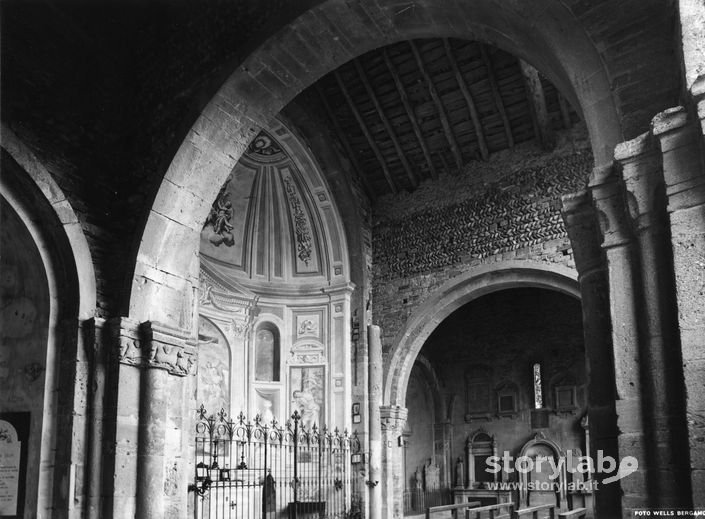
(317, 42)
(452, 295)
(61, 252)
(43, 190)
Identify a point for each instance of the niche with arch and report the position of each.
(479, 447)
(544, 489)
(267, 353)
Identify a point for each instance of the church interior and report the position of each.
(352, 259)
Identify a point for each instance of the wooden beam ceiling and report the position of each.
(469, 100)
(537, 102)
(408, 112)
(352, 156)
(363, 126)
(385, 121)
(404, 98)
(439, 106)
(499, 104)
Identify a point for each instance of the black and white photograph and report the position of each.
(352, 259)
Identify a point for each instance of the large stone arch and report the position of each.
(322, 39)
(51, 224)
(61, 211)
(456, 293)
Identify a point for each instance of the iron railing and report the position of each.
(251, 469)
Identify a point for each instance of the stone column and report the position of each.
(374, 473)
(93, 355)
(623, 296)
(146, 406)
(393, 419)
(681, 145)
(161, 476)
(122, 342)
(663, 395)
(581, 224)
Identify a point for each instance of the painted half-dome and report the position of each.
(274, 223)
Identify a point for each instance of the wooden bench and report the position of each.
(453, 509)
(474, 511)
(533, 511)
(578, 513)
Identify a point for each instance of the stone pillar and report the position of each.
(623, 296)
(122, 342)
(663, 395)
(681, 145)
(93, 353)
(164, 430)
(146, 437)
(393, 419)
(374, 473)
(151, 446)
(581, 224)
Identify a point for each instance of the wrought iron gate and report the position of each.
(251, 469)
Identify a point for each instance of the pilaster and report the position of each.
(681, 143)
(393, 419)
(664, 418)
(375, 472)
(581, 224)
(607, 193)
(145, 410)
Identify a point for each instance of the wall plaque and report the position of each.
(14, 437)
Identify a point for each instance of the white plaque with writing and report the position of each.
(10, 449)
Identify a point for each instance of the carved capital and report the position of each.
(607, 193)
(679, 138)
(153, 345)
(643, 179)
(393, 418)
(580, 220)
(669, 121)
(125, 335)
(168, 348)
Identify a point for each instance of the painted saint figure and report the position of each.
(308, 408)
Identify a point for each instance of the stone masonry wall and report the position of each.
(505, 209)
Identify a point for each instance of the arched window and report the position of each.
(267, 353)
(538, 393)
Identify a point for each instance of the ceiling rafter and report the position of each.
(401, 90)
(366, 132)
(482, 144)
(346, 144)
(499, 104)
(385, 121)
(537, 105)
(450, 136)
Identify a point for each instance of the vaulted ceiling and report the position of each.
(413, 110)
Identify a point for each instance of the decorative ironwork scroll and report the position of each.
(252, 468)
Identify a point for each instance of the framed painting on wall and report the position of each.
(307, 386)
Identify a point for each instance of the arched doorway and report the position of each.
(43, 296)
(513, 363)
(451, 297)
